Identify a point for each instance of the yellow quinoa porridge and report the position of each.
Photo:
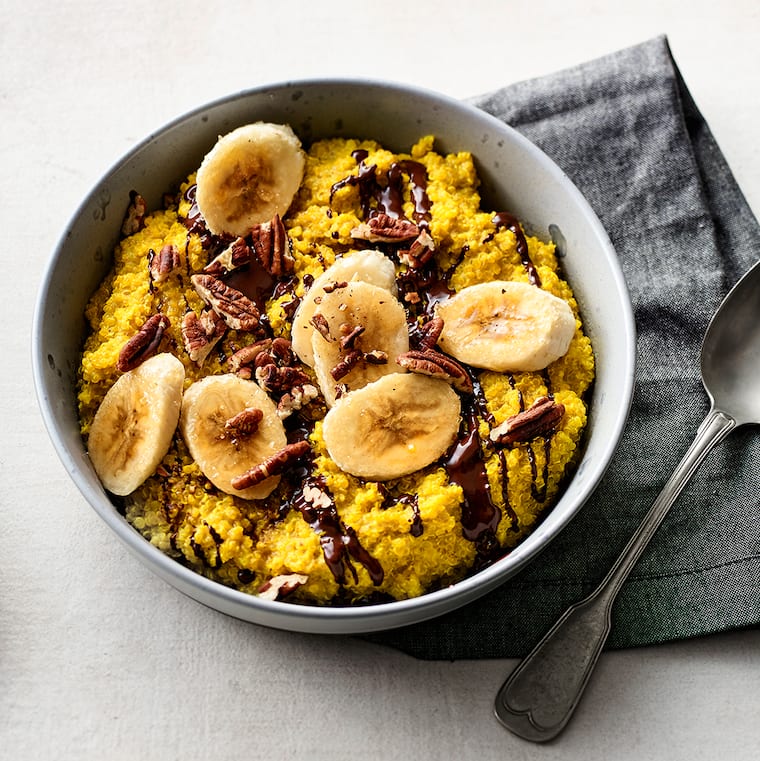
(327, 376)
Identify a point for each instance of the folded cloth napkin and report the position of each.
(626, 131)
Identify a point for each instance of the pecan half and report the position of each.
(281, 586)
(272, 466)
(143, 344)
(245, 423)
(382, 228)
(134, 218)
(282, 351)
(235, 256)
(420, 252)
(163, 263)
(201, 334)
(276, 380)
(234, 307)
(246, 356)
(429, 333)
(540, 419)
(437, 365)
(271, 245)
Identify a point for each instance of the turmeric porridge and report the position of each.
(327, 376)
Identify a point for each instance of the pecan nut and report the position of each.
(234, 307)
(271, 245)
(282, 351)
(429, 333)
(244, 424)
(201, 334)
(348, 362)
(383, 228)
(540, 419)
(163, 263)
(437, 365)
(375, 357)
(420, 252)
(350, 335)
(243, 359)
(235, 256)
(281, 586)
(276, 380)
(134, 218)
(296, 398)
(272, 466)
(319, 321)
(143, 344)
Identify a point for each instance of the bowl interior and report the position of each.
(515, 176)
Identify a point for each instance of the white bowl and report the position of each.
(515, 175)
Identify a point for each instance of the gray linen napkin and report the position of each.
(626, 131)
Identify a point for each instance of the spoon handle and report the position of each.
(540, 695)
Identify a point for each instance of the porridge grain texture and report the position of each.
(391, 540)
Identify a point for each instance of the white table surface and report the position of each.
(100, 659)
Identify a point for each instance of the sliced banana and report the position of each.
(251, 174)
(381, 320)
(392, 427)
(223, 455)
(134, 425)
(506, 326)
(368, 266)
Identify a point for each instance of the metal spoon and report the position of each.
(540, 695)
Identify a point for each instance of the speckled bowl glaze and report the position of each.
(515, 175)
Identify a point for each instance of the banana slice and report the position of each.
(251, 174)
(223, 454)
(368, 266)
(392, 427)
(361, 330)
(505, 326)
(134, 425)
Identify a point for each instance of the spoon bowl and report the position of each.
(731, 352)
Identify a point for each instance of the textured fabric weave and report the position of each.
(626, 131)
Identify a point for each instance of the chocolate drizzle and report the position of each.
(387, 196)
(510, 222)
(195, 223)
(411, 500)
(508, 509)
(340, 543)
(539, 494)
(466, 467)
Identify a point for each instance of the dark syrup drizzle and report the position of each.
(376, 197)
(465, 460)
(340, 544)
(510, 222)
